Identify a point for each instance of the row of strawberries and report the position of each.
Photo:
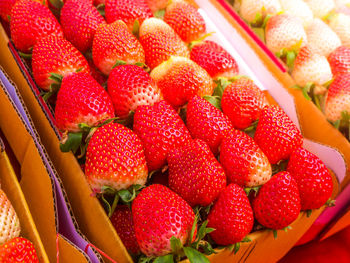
(202, 156)
(305, 33)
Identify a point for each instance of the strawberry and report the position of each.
(99, 2)
(342, 6)
(285, 32)
(122, 221)
(30, 22)
(95, 73)
(5, 9)
(112, 43)
(231, 216)
(313, 178)
(299, 9)
(338, 97)
(180, 79)
(156, 5)
(18, 250)
(160, 129)
(311, 67)
(276, 134)
(79, 22)
(214, 59)
(81, 100)
(160, 42)
(244, 163)
(129, 87)
(195, 174)
(207, 123)
(321, 38)
(277, 203)
(159, 214)
(115, 158)
(9, 222)
(185, 19)
(251, 9)
(243, 102)
(54, 54)
(340, 24)
(320, 8)
(128, 11)
(339, 60)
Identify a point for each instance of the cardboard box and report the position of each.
(89, 213)
(46, 200)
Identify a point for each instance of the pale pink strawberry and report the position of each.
(320, 8)
(251, 8)
(339, 60)
(299, 9)
(340, 23)
(9, 222)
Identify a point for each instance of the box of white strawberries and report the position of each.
(189, 143)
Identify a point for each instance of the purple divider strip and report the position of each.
(66, 226)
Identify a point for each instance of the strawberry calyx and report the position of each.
(275, 231)
(58, 4)
(343, 123)
(199, 40)
(308, 212)
(279, 167)
(252, 190)
(236, 246)
(54, 87)
(260, 20)
(139, 64)
(25, 55)
(101, 9)
(330, 202)
(159, 13)
(314, 93)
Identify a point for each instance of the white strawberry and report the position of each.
(342, 6)
(340, 23)
(310, 67)
(298, 8)
(321, 38)
(251, 8)
(9, 222)
(284, 32)
(320, 8)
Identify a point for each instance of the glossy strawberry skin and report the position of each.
(5, 9)
(115, 158)
(313, 178)
(54, 54)
(129, 87)
(159, 214)
(122, 221)
(277, 204)
(207, 123)
(128, 11)
(276, 134)
(9, 222)
(114, 42)
(79, 22)
(231, 216)
(160, 129)
(160, 42)
(180, 79)
(18, 250)
(214, 59)
(195, 174)
(244, 162)
(30, 22)
(243, 102)
(81, 100)
(185, 19)
(339, 60)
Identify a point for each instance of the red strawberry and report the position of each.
(79, 22)
(159, 214)
(129, 87)
(9, 222)
(114, 42)
(160, 129)
(160, 42)
(214, 59)
(243, 102)
(244, 163)
(277, 204)
(81, 100)
(313, 178)
(206, 122)
(31, 21)
(180, 79)
(231, 216)
(339, 60)
(54, 54)
(338, 97)
(128, 11)
(99, 2)
(115, 158)
(195, 174)
(95, 73)
(156, 5)
(5, 9)
(276, 134)
(185, 19)
(122, 221)
(18, 250)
